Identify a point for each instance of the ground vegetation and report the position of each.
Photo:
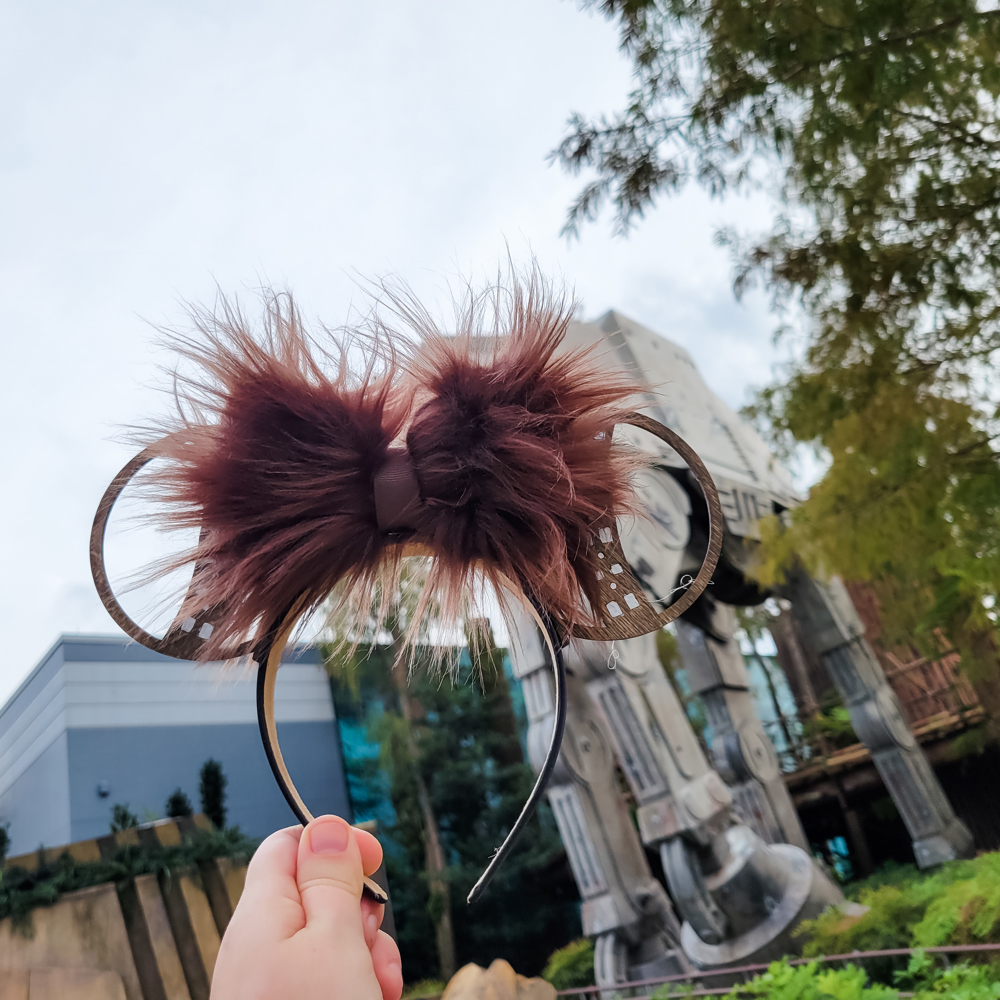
(956, 904)
(923, 979)
(22, 890)
(571, 966)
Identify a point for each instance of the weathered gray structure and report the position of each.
(833, 629)
(743, 754)
(733, 850)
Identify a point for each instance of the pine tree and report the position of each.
(478, 782)
(179, 804)
(489, 665)
(439, 898)
(468, 759)
(122, 818)
(212, 788)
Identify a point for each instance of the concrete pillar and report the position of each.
(744, 756)
(625, 909)
(831, 626)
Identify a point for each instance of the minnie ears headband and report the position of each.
(310, 485)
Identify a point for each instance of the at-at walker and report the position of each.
(733, 851)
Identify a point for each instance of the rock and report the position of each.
(498, 982)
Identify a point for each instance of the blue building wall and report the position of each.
(142, 766)
(102, 721)
(37, 804)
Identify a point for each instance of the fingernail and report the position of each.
(329, 837)
(372, 923)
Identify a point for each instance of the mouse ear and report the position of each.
(186, 636)
(621, 606)
(290, 469)
(272, 462)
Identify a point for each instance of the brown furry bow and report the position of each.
(281, 442)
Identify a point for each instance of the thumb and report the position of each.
(330, 875)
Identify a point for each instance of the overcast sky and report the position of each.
(151, 150)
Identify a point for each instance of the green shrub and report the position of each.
(571, 966)
(810, 982)
(926, 977)
(179, 805)
(22, 890)
(958, 903)
(122, 818)
(893, 912)
(965, 912)
(813, 982)
(834, 726)
(961, 982)
(423, 988)
(891, 873)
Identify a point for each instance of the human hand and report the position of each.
(302, 930)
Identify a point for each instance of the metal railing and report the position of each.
(937, 699)
(643, 989)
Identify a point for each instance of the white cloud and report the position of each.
(150, 150)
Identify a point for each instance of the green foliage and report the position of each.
(911, 502)
(672, 991)
(179, 804)
(833, 726)
(959, 982)
(212, 789)
(668, 652)
(472, 767)
(424, 988)
(972, 743)
(4, 841)
(890, 873)
(959, 903)
(122, 818)
(22, 891)
(965, 912)
(881, 122)
(889, 923)
(962, 982)
(812, 982)
(571, 966)
(476, 799)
